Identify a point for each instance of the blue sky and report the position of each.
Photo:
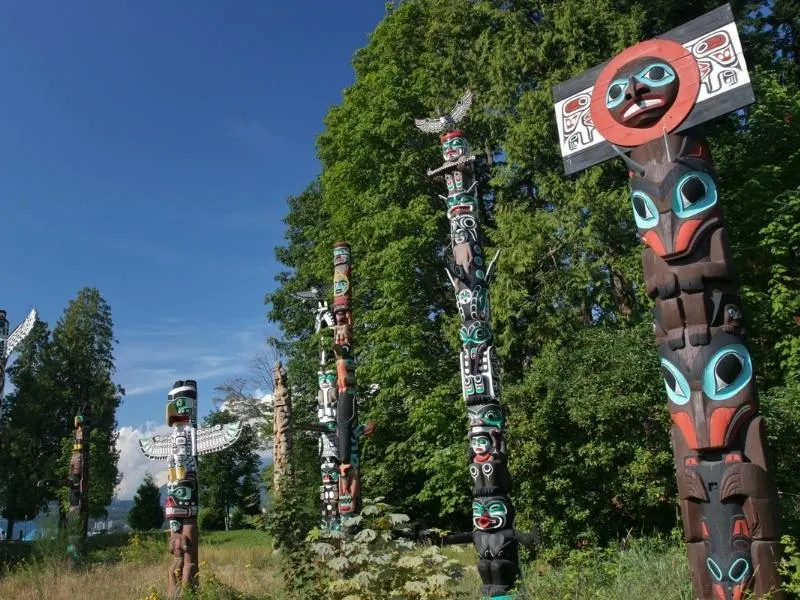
(147, 149)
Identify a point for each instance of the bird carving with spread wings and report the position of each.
(447, 121)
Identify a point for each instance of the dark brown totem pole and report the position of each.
(281, 427)
(494, 536)
(77, 484)
(645, 105)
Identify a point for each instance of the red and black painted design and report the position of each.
(641, 101)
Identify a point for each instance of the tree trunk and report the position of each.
(10, 532)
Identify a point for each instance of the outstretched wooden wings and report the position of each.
(20, 332)
(158, 447)
(443, 123)
(218, 437)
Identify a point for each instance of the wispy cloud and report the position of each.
(150, 358)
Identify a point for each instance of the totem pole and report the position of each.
(346, 406)
(494, 536)
(649, 101)
(9, 343)
(77, 484)
(340, 491)
(180, 449)
(281, 427)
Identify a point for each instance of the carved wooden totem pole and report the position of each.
(180, 449)
(645, 105)
(494, 536)
(77, 484)
(281, 427)
(9, 343)
(337, 411)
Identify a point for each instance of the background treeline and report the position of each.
(56, 375)
(588, 421)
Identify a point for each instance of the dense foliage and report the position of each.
(146, 512)
(588, 438)
(56, 376)
(230, 477)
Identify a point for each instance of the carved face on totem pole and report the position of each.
(182, 403)
(182, 498)
(454, 146)
(641, 92)
(487, 415)
(491, 513)
(673, 215)
(709, 407)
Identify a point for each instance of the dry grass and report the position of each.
(240, 561)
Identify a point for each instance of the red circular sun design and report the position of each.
(685, 65)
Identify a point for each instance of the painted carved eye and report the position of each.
(497, 509)
(675, 382)
(487, 469)
(473, 471)
(714, 569)
(656, 75)
(477, 509)
(728, 371)
(694, 193)
(739, 569)
(644, 211)
(616, 92)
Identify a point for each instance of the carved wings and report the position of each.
(158, 447)
(218, 437)
(20, 333)
(445, 122)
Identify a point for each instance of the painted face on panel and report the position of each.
(490, 513)
(710, 405)
(641, 92)
(181, 410)
(454, 146)
(673, 215)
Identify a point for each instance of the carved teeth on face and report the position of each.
(640, 106)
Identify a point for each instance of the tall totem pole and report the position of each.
(494, 536)
(337, 410)
(645, 106)
(281, 427)
(9, 343)
(180, 449)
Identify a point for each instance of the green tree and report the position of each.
(570, 254)
(83, 359)
(29, 441)
(229, 478)
(146, 512)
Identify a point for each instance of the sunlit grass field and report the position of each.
(241, 565)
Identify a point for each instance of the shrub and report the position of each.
(378, 564)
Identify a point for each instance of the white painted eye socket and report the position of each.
(487, 468)
(473, 471)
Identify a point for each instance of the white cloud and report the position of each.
(151, 357)
(133, 464)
